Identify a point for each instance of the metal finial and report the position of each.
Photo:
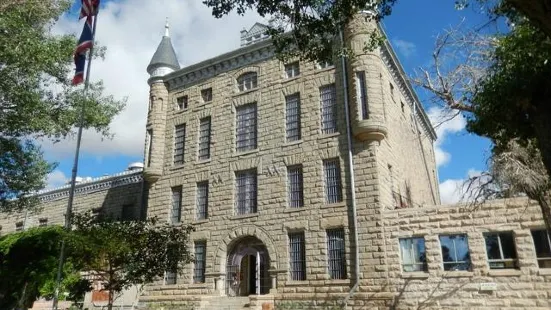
(166, 28)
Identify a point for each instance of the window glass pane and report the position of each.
(541, 242)
(508, 245)
(492, 246)
(413, 254)
(455, 252)
(247, 81)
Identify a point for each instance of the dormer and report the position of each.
(255, 34)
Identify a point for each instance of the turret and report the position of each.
(365, 69)
(163, 62)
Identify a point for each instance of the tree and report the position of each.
(36, 98)
(28, 263)
(121, 254)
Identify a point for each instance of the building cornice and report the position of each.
(93, 185)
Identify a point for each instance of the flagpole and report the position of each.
(69, 211)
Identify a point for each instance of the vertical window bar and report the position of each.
(246, 129)
(297, 257)
(292, 117)
(176, 210)
(328, 96)
(333, 185)
(202, 200)
(200, 260)
(295, 186)
(204, 138)
(362, 94)
(246, 192)
(336, 253)
(179, 142)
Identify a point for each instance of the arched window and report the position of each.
(247, 81)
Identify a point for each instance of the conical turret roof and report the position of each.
(164, 56)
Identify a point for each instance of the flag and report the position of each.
(85, 42)
(89, 8)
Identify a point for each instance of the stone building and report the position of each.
(293, 211)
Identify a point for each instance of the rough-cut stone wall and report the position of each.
(528, 287)
(109, 193)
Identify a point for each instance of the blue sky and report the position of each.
(131, 31)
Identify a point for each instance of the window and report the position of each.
(202, 200)
(500, 248)
(170, 276)
(413, 254)
(295, 186)
(325, 64)
(179, 143)
(42, 222)
(19, 226)
(335, 253)
(297, 256)
(391, 90)
(247, 81)
(204, 138)
(333, 185)
(176, 208)
(200, 260)
(149, 144)
(542, 242)
(361, 93)
(328, 109)
(455, 252)
(403, 106)
(246, 130)
(292, 117)
(206, 95)
(292, 70)
(246, 191)
(182, 102)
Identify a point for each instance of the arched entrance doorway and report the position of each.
(247, 268)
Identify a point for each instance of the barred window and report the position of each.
(246, 191)
(202, 200)
(455, 252)
(200, 260)
(292, 117)
(176, 208)
(179, 143)
(204, 138)
(413, 253)
(206, 94)
(182, 102)
(333, 185)
(325, 64)
(42, 222)
(335, 253)
(149, 144)
(297, 256)
(246, 129)
(361, 91)
(292, 69)
(295, 186)
(542, 242)
(247, 81)
(19, 226)
(170, 276)
(328, 97)
(500, 248)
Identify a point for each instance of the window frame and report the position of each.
(544, 259)
(295, 191)
(292, 69)
(246, 127)
(202, 200)
(297, 256)
(513, 260)
(206, 94)
(328, 109)
(179, 146)
(182, 103)
(467, 263)
(416, 262)
(293, 126)
(336, 265)
(361, 94)
(247, 81)
(244, 203)
(204, 139)
(175, 208)
(199, 264)
(336, 188)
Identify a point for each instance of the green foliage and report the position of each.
(122, 254)
(314, 23)
(28, 264)
(36, 98)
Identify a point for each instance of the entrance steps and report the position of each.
(226, 303)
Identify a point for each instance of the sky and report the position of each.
(132, 29)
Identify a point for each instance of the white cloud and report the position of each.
(456, 190)
(131, 31)
(55, 179)
(445, 122)
(405, 48)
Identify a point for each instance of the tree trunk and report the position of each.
(538, 11)
(110, 302)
